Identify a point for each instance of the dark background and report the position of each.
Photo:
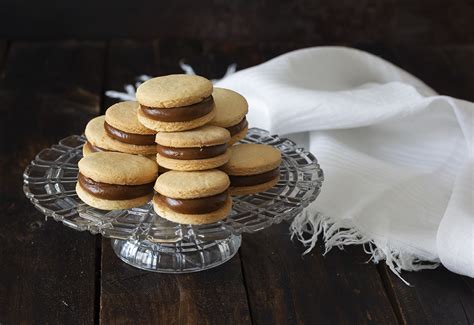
(427, 22)
(56, 60)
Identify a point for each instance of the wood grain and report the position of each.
(285, 287)
(436, 297)
(130, 295)
(318, 22)
(47, 91)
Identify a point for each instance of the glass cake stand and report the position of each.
(145, 240)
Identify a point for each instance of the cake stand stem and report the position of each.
(180, 257)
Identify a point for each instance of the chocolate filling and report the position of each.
(254, 179)
(193, 206)
(234, 129)
(130, 138)
(191, 153)
(93, 148)
(179, 114)
(113, 191)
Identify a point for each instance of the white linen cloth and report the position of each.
(397, 157)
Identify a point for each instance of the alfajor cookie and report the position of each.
(97, 139)
(198, 149)
(175, 102)
(125, 133)
(252, 168)
(199, 197)
(115, 180)
(231, 109)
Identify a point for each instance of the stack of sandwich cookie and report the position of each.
(192, 197)
(198, 149)
(125, 133)
(231, 109)
(97, 139)
(114, 180)
(252, 168)
(175, 102)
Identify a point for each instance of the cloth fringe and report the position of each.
(307, 228)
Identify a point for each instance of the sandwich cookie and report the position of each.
(252, 168)
(97, 140)
(198, 149)
(115, 180)
(125, 133)
(192, 197)
(231, 109)
(175, 102)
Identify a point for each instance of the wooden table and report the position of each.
(53, 274)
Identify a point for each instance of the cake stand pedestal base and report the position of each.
(179, 257)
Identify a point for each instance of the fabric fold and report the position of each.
(397, 157)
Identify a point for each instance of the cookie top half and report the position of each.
(174, 90)
(252, 159)
(123, 116)
(231, 107)
(192, 185)
(96, 135)
(118, 168)
(201, 137)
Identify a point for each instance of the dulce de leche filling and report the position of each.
(179, 114)
(252, 180)
(93, 148)
(130, 138)
(191, 153)
(193, 206)
(234, 129)
(113, 191)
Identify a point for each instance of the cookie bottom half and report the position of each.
(111, 204)
(175, 126)
(193, 219)
(194, 164)
(246, 190)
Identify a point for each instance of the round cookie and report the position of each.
(123, 116)
(192, 197)
(118, 168)
(97, 139)
(104, 204)
(191, 185)
(231, 109)
(125, 133)
(174, 90)
(198, 149)
(114, 180)
(252, 168)
(175, 103)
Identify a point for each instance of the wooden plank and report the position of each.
(319, 22)
(131, 295)
(287, 288)
(47, 91)
(436, 297)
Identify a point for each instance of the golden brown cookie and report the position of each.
(192, 197)
(124, 133)
(97, 139)
(123, 116)
(198, 149)
(114, 180)
(174, 90)
(231, 109)
(175, 103)
(118, 168)
(252, 168)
